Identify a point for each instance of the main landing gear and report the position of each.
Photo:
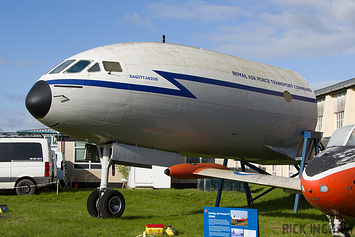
(337, 226)
(103, 202)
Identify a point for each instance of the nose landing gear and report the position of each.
(337, 226)
(110, 204)
(105, 203)
(93, 203)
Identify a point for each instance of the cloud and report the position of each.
(304, 5)
(295, 29)
(14, 97)
(195, 10)
(12, 120)
(270, 29)
(323, 84)
(21, 62)
(136, 19)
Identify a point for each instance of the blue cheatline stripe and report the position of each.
(172, 78)
(125, 86)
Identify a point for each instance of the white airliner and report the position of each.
(144, 103)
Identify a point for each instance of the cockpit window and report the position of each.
(61, 66)
(351, 141)
(112, 66)
(340, 136)
(78, 67)
(95, 68)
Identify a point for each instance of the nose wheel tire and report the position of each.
(111, 204)
(93, 203)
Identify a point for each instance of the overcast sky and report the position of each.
(315, 38)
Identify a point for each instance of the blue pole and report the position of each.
(306, 136)
(247, 189)
(220, 187)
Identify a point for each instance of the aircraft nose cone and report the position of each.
(167, 171)
(39, 99)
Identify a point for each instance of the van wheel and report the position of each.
(93, 203)
(111, 204)
(25, 187)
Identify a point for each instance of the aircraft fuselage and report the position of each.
(178, 98)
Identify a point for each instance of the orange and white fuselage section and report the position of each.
(177, 98)
(328, 182)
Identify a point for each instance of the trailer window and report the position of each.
(5, 152)
(79, 158)
(61, 66)
(27, 152)
(79, 153)
(112, 66)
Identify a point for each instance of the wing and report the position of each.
(287, 184)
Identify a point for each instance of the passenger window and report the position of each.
(95, 68)
(78, 67)
(61, 66)
(27, 152)
(112, 66)
(5, 152)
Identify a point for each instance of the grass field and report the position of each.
(47, 214)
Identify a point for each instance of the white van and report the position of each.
(25, 164)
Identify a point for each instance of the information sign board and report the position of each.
(233, 222)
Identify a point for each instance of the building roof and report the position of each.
(336, 87)
(48, 132)
(39, 130)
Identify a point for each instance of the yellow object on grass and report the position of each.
(154, 229)
(169, 230)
